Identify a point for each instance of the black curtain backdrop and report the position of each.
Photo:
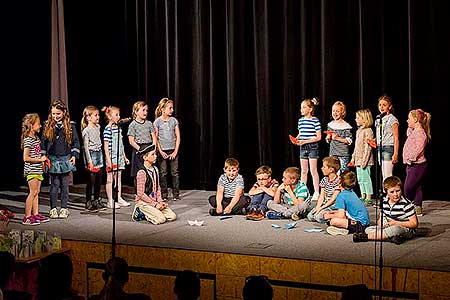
(238, 70)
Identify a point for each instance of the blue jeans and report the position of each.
(260, 201)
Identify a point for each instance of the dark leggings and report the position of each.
(94, 182)
(415, 174)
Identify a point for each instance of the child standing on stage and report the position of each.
(262, 191)
(309, 135)
(93, 157)
(31, 146)
(329, 189)
(60, 143)
(168, 141)
(351, 215)
(362, 156)
(387, 123)
(229, 198)
(148, 202)
(399, 219)
(414, 155)
(339, 135)
(291, 199)
(114, 155)
(140, 132)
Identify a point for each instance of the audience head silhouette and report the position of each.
(257, 288)
(187, 285)
(7, 261)
(55, 278)
(356, 292)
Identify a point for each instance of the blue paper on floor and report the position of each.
(276, 226)
(290, 225)
(225, 217)
(314, 230)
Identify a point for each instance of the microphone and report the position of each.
(123, 121)
(380, 116)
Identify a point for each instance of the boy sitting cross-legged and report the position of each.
(262, 191)
(329, 189)
(399, 220)
(230, 198)
(149, 204)
(351, 215)
(292, 199)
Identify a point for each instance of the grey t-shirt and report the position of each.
(166, 132)
(142, 132)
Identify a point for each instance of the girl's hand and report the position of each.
(394, 159)
(127, 161)
(72, 160)
(90, 166)
(43, 158)
(163, 154)
(173, 155)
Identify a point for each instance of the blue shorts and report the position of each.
(310, 150)
(387, 152)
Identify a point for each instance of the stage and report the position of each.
(237, 236)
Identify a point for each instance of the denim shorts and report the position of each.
(387, 152)
(310, 150)
(97, 158)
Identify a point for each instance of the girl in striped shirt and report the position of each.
(309, 135)
(114, 155)
(33, 160)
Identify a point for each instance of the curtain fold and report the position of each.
(58, 53)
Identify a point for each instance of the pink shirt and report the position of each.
(414, 148)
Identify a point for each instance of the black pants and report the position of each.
(243, 202)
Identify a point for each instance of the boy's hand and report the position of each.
(227, 210)
(219, 209)
(288, 189)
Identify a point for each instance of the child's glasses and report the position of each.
(262, 179)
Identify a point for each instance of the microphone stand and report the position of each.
(379, 176)
(115, 190)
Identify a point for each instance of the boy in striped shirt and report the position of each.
(398, 221)
(291, 199)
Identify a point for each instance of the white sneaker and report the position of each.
(336, 230)
(315, 196)
(64, 213)
(53, 214)
(110, 205)
(123, 203)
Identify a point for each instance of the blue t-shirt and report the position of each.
(355, 209)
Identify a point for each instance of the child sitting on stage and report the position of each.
(230, 198)
(351, 215)
(399, 217)
(148, 202)
(329, 189)
(261, 192)
(292, 199)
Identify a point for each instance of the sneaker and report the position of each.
(123, 203)
(100, 204)
(258, 216)
(273, 215)
(30, 221)
(53, 214)
(359, 237)
(64, 213)
(110, 205)
(315, 196)
(41, 218)
(176, 198)
(213, 212)
(336, 230)
(137, 215)
(398, 239)
(368, 201)
(419, 211)
(296, 216)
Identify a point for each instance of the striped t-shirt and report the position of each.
(230, 186)
(400, 211)
(343, 130)
(34, 144)
(308, 127)
(300, 191)
(142, 132)
(329, 186)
